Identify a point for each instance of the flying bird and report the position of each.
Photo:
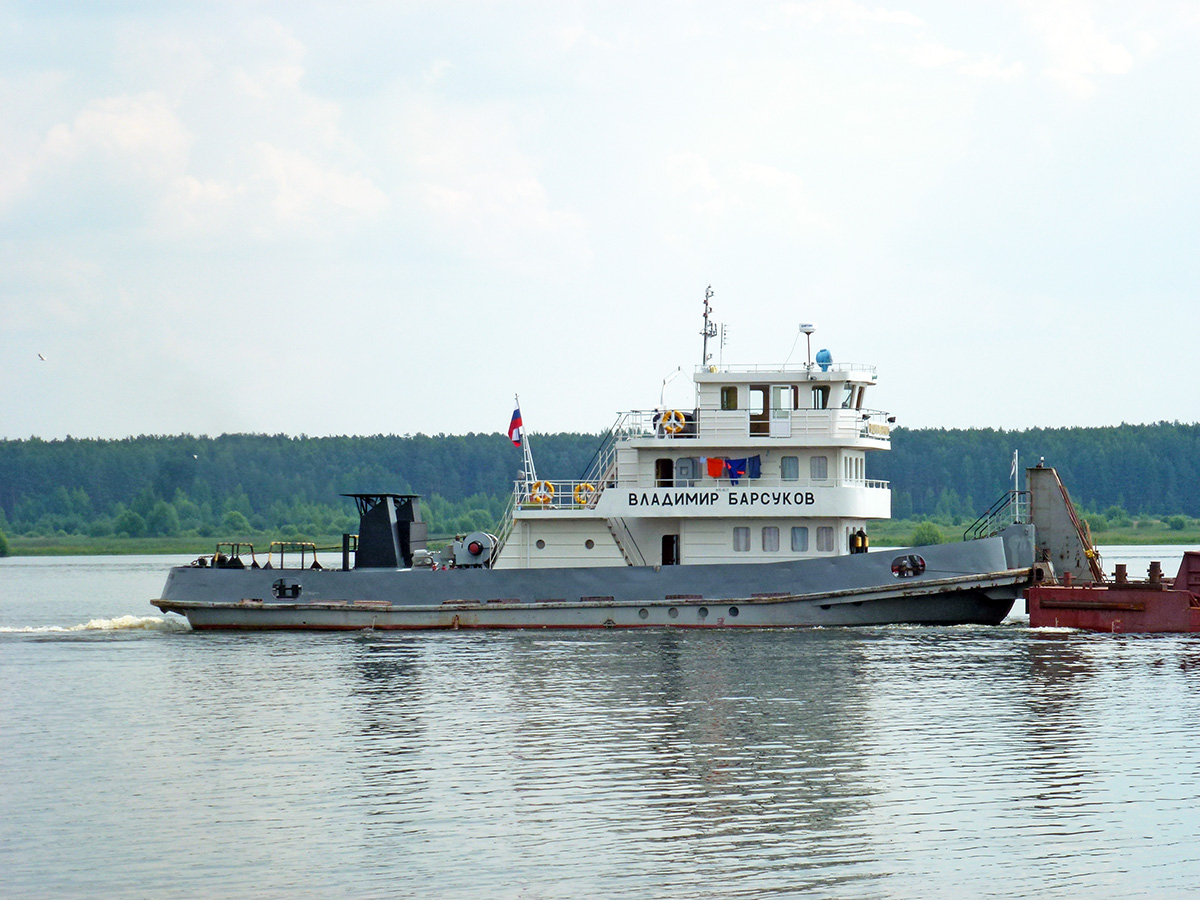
(42, 358)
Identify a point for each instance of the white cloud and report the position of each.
(236, 145)
(766, 193)
(142, 132)
(302, 187)
(930, 55)
(992, 67)
(848, 11)
(1077, 49)
(468, 172)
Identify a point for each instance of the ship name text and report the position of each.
(712, 498)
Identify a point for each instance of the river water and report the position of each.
(139, 759)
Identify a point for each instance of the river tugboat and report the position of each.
(751, 508)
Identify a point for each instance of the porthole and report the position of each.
(702, 612)
(673, 612)
(733, 611)
(541, 545)
(589, 543)
(643, 613)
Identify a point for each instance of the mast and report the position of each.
(710, 328)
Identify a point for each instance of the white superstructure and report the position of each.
(662, 491)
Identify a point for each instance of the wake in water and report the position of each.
(120, 623)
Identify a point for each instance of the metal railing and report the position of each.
(766, 368)
(1011, 509)
(688, 424)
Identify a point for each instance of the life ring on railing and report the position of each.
(541, 492)
(673, 422)
(584, 492)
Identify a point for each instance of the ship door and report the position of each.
(782, 404)
(670, 550)
(664, 473)
(760, 422)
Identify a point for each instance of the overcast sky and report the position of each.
(391, 217)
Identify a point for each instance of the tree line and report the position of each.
(239, 483)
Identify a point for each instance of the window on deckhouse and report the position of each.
(819, 468)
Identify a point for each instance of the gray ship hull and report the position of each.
(975, 582)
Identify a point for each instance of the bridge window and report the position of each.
(824, 539)
(770, 538)
(820, 397)
(741, 539)
(729, 397)
(800, 538)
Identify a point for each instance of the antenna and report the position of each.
(724, 341)
(710, 328)
(808, 328)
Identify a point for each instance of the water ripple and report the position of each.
(856, 763)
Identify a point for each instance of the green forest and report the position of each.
(241, 485)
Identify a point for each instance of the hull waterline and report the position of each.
(980, 588)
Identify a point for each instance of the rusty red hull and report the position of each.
(1132, 607)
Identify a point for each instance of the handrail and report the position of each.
(302, 547)
(598, 463)
(830, 368)
(507, 522)
(1011, 508)
(833, 421)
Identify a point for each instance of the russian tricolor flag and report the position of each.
(514, 428)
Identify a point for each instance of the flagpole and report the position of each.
(527, 453)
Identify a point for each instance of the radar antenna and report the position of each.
(710, 328)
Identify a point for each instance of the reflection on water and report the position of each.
(844, 763)
(673, 759)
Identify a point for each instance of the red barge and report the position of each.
(1157, 604)
(1071, 589)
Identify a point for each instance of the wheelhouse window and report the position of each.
(800, 538)
(820, 397)
(741, 539)
(818, 468)
(729, 398)
(824, 539)
(770, 538)
(789, 468)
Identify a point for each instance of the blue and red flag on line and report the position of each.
(514, 428)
